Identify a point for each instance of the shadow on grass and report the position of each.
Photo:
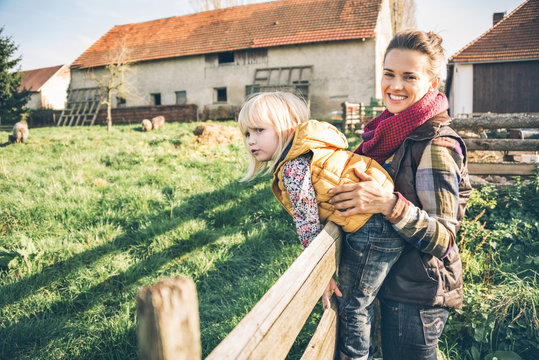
(52, 322)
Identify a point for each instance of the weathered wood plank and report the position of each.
(501, 169)
(168, 321)
(323, 343)
(497, 121)
(502, 144)
(270, 329)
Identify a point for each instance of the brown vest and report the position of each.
(417, 277)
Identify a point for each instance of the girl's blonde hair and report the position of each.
(283, 111)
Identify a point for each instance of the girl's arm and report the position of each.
(298, 185)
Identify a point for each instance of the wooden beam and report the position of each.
(502, 144)
(270, 329)
(168, 322)
(323, 344)
(502, 169)
(497, 121)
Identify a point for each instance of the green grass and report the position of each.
(87, 218)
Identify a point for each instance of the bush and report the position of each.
(499, 246)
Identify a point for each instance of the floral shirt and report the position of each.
(300, 190)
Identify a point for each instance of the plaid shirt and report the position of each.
(432, 228)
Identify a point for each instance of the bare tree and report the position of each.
(206, 5)
(114, 80)
(402, 14)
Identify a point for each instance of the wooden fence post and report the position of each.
(168, 321)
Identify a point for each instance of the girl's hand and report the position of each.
(364, 197)
(332, 286)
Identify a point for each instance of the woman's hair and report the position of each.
(428, 43)
(281, 110)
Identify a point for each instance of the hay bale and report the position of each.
(212, 134)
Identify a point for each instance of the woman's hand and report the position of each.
(332, 286)
(364, 197)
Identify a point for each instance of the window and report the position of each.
(156, 98)
(226, 57)
(181, 97)
(120, 102)
(219, 94)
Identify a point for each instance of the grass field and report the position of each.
(87, 218)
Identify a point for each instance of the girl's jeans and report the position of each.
(367, 257)
(411, 332)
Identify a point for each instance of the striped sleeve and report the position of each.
(432, 228)
(300, 191)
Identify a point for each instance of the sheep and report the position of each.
(158, 122)
(20, 132)
(146, 125)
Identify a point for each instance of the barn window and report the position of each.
(226, 57)
(181, 97)
(120, 101)
(156, 98)
(219, 94)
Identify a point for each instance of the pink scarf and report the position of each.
(386, 132)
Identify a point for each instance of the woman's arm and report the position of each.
(430, 228)
(298, 185)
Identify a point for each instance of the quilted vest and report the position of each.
(417, 277)
(331, 165)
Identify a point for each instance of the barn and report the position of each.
(328, 51)
(499, 71)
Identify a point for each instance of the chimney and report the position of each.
(496, 17)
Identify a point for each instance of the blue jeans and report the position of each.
(411, 332)
(366, 258)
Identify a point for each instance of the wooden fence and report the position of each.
(168, 321)
(511, 122)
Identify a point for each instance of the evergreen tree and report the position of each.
(12, 99)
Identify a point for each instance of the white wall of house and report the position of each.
(35, 101)
(342, 71)
(54, 91)
(461, 92)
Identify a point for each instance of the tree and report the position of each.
(206, 5)
(402, 14)
(114, 80)
(12, 99)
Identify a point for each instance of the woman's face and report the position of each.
(406, 79)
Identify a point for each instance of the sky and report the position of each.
(56, 32)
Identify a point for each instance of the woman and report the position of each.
(427, 161)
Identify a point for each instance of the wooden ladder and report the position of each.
(81, 108)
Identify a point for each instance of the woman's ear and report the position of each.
(435, 83)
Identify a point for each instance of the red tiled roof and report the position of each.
(34, 79)
(515, 37)
(284, 22)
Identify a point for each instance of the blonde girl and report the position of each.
(308, 158)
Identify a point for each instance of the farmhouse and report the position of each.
(48, 87)
(328, 51)
(499, 71)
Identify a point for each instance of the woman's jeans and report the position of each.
(367, 256)
(411, 332)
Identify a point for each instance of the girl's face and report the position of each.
(406, 79)
(262, 141)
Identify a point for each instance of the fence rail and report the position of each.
(168, 313)
(511, 122)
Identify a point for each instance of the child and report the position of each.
(308, 158)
